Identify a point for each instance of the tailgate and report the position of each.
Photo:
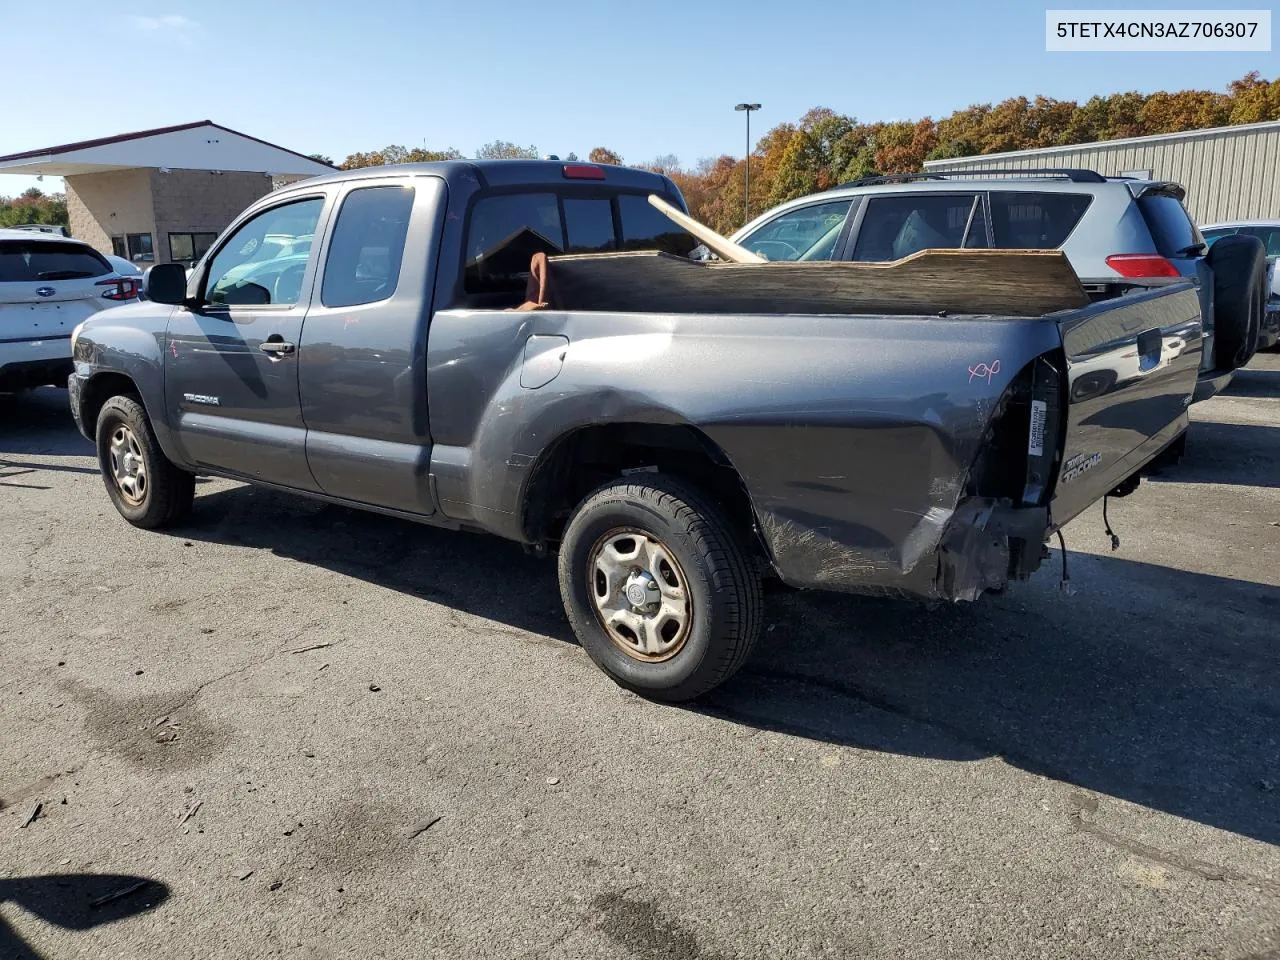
(1132, 364)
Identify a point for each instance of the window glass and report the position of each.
(1270, 236)
(180, 247)
(1170, 224)
(139, 245)
(504, 233)
(589, 223)
(363, 263)
(806, 233)
(118, 248)
(263, 262)
(190, 246)
(898, 226)
(1025, 220)
(26, 261)
(644, 227)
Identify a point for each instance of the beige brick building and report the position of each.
(163, 195)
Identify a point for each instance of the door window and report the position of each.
(806, 233)
(363, 264)
(263, 262)
(898, 226)
(1026, 220)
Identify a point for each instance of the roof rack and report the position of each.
(1072, 174)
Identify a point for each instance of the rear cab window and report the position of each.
(504, 230)
(32, 261)
(1172, 228)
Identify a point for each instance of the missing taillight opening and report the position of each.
(1141, 265)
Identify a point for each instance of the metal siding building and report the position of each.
(1229, 172)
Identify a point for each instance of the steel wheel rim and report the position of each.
(640, 594)
(128, 467)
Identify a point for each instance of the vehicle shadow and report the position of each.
(75, 901)
(1253, 382)
(40, 422)
(1151, 684)
(1247, 454)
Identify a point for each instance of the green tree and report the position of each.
(505, 150)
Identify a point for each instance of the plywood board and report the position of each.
(1016, 283)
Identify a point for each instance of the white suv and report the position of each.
(48, 284)
(1120, 234)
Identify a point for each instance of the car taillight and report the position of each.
(1141, 265)
(122, 288)
(583, 171)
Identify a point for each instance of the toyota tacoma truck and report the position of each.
(381, 339)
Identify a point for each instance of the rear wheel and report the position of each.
(1239, 266)
(146, 488)
(661, 593)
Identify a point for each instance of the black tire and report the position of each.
(166, 493)
(1239, 265)
(717, 571)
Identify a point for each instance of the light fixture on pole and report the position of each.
(746, 192)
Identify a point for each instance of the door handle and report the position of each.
(276, 346)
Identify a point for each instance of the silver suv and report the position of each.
(1120, 234)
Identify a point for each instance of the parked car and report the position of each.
(48, 284)
(1268, 231)
(1120, 234)
(57, 231)
(669, 458)
(126, 268)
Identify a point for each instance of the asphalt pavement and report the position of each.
(291, 729)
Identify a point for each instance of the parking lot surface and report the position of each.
(290, 729)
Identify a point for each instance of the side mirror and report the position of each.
(165, 283)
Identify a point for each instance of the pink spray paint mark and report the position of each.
(986, 371)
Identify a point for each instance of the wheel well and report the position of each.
(99, 390)
(588, 457)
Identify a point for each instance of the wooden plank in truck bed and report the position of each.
(1016, 283)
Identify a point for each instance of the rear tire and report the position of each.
(1239, 266)
(661, 592)
(146, 488)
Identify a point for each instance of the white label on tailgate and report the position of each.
(1039, 413)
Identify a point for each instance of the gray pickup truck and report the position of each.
(357, 337)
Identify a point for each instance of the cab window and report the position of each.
(263, 262)
(363, 263)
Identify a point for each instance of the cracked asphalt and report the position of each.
(239, 735)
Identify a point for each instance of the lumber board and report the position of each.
(1014, 283)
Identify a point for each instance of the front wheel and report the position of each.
(146, 488)
(661, 592)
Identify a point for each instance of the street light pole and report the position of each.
(746, 191)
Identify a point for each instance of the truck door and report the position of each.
(231, 367)
(363, 377)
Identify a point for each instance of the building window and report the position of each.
(139, 246)
(117, 247)
(190, 246)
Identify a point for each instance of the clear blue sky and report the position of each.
(660, 78)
